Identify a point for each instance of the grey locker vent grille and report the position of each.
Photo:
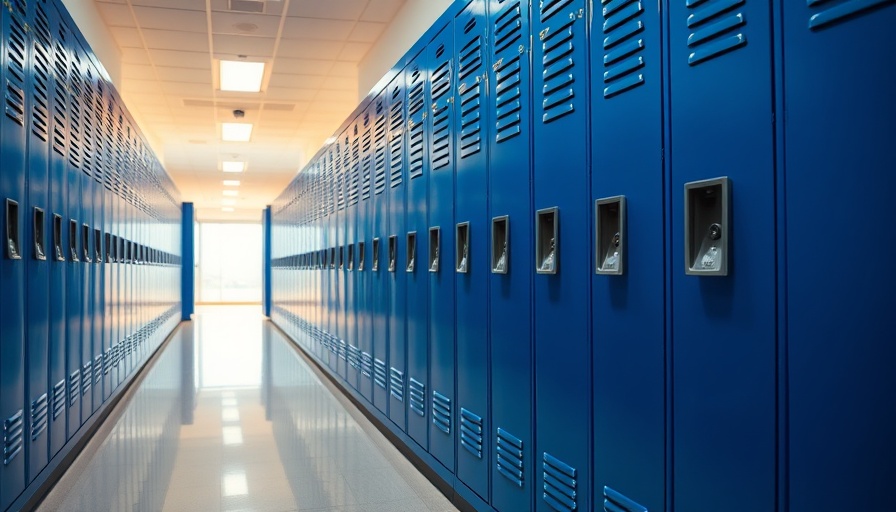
(74, 386)
(396, 137)
(15, 65)
(40, 106)
(441, 412)
(715, 29)
(551, 7)
(470, 62)
(418, 396)
(98, 369)
(379, 373)
(559, 484)
(39, 413)
(440, 155)
(842, 11)
(558, 70)
(13, 428)
(341, 349)
(107, 361)
(507, 67)
(59, 398)
(366, 365)
(396, 384)
(622, 50)
(471, 432)
(616, 502)
(509, 457)
(354, 357)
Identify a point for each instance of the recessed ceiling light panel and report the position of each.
(231, 183)
(231, 193)
(239, 76)
(232, 166)
(236, 132)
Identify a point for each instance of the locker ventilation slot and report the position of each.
(418, 396)
(396, 384)
(40, 110)
(74, 386)
(58, 398)
(622, 49)
(716, 29)
(15, 64)
(559, 484)
(12, 436)
(508, 50)
(509, 460)
(39, 416)
(842, 11)
(616, 502)
(550, 7)
(441, 412)
(354, 357)
(98, 369)
(440, 154)
(558, 69)
(366, 365)
(365, 167)
(379, 160)
(379, 373)
(396, 137)
(471, 432)
(471, 66)
(340, 349)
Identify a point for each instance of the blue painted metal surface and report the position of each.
(188, 277)
(266, 261)
(380, 282)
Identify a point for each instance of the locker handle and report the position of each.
(434, 238)
(12, 230)
(39, 241)
(59, 254)
(500, 244)
(393, 252)
(73, 240)
(707, 228)
(609, 222)
(547, 244)
(462, 248)
(361, 256)
(411, 251)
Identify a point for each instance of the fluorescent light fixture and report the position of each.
(231, 166)
(231, 183)
(236, 132)
(228, 202)
(241, 76)
(227, 209)
(231, 193)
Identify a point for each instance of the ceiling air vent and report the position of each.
(253, 6)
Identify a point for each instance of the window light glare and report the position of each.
(227, 209)
(241, 76)
(231, 183)
(228, 202)
(236, 132)
(231, 166)
(231, 193)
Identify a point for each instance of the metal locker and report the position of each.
(15, 251)
(839, 329)
(393, 273)
(37, 252)
(95, 219)
(723, 329)
(363, 304)
(440, 167)
(417, 104)
(472, 233)
(335, 186)
(378, 306)
(344, 184)
(628, 306)
(562, 252)
(345, 253)
(509, 232)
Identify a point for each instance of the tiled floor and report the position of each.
(231, 418)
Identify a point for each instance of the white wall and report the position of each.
(414, 18)
(91, 24)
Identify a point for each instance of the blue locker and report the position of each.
(417, 100)
(378, 226)
(723, 327)
(15, 252)
(344, 183)
(364, 332)
(59, 109)
(98, 272)
(472, 234)
(395, 278)
(839, 125)
(440, 167)
(510, 257)
(628, 297)
(38, 254)
(562, 254)
(335, 183)
(346, 254)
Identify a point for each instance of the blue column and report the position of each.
(266, 262)
(188, 251)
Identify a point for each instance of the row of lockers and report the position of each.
(90, 270)
(612, 253)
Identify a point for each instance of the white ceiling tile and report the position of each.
(175, 40)
(323, 29)
(283, 65)
(345, 70)
(181, 59)
(297, 81)
(286, 93)
(137, 72)
(193, 5)
(185, 90)
(329, 9)
(118, 15)
(154, 100)
(238, 24)
(139, 86)
(126, 37)
(340, 84)
(354, 52)
(382, 10)
(201, 76)
(180, 19)
(325, 50)
(365, 32)
(260, 47)
(134, 56)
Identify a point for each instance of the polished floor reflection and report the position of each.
(231, 418)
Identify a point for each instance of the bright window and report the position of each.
(229, 263)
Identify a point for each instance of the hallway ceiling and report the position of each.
(170, 51)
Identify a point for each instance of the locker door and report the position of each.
(38, 254)
(840, 329)
(440, 166)
(393, 225)
(628, 307)
(417, 99)
(471, 233)
(723, 327)
(378, 226)
(362, 282)
(346, 256)
(562, 253)
(98, 271)
(12, 263)
(336, 184)
(509, 256)
(345, 183)
(56, 208)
